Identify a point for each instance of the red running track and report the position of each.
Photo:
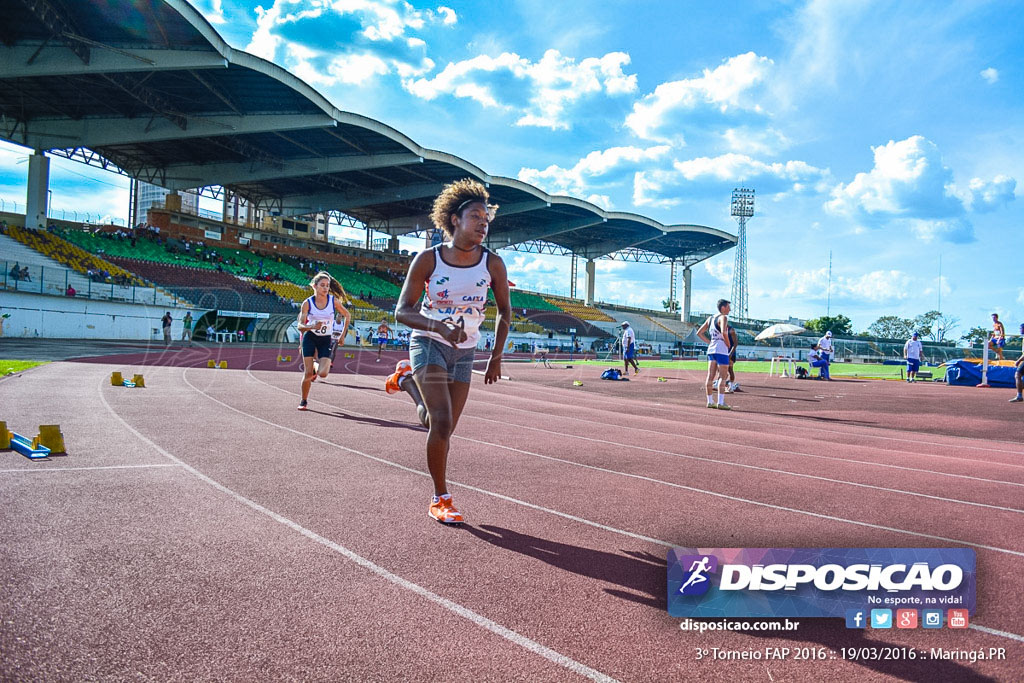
(203, 528)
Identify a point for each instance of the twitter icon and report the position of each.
(881, 618)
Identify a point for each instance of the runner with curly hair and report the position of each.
(452, 279)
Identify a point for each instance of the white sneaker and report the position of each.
(714, 385)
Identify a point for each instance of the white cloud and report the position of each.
(355, 40)
(878, 286)
(448, 15)
(990, 75)
(1020, 295)
(988, 195)
(955, 230)
(748, 140)
(579, 179)
(660, 187)
(546, 88)
(723, 88)
(908, 180)
(720, 269)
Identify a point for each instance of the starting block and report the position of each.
(577, 383)
(115, 379)
(211, 363)
(350, 355)
(140, 381)
(51, 438)
(29, 448)
(284, 359)
(223, 365)
(662, 379)
(5, 437)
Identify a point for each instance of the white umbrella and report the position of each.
(778, 330)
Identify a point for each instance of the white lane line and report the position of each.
(787, 453)
(622, 532)
(80, 469)
(595, 468)
(726, 463)
(454, 607)
(788, 421)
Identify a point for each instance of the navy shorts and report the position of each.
(382, 340)
(316, 345)
(913, 365)
(424, 351)
(721, 358)
(631, 352)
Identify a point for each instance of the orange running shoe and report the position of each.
(391, 385)
(444, 511)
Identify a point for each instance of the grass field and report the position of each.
(9, 367)
(838, 369)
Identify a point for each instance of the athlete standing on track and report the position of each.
(316, 322)
(452, 278)
(717, 329)
(912, 351)
(1018, 373)
(629, 350)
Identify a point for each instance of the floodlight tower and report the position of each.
(742, 209)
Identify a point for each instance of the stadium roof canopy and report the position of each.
(152, 89)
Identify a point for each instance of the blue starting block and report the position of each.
(24, 446)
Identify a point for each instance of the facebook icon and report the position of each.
(856, 618)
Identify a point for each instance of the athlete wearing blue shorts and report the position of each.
(715, 333)
(629, 350)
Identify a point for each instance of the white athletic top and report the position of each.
(337, 329)
(719, 344)
(825, 344)
(813, 355)
(628, 337)
(456, 294)
(912, 349)
(322, 317)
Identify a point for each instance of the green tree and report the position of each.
(669, 305)
(892, 327)
(840, 325)
(935, 326)
(976, 335)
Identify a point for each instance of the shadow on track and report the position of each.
(641, 572)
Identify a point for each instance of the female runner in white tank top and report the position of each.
(453, 279)
(316, 323)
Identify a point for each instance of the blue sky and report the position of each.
(888, 133)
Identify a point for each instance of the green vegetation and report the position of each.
(849, 370)
(9, 367)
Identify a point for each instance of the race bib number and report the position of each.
(323, 327)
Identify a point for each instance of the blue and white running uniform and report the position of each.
(317, 342)
(718, 348)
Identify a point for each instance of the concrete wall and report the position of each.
(37, 315)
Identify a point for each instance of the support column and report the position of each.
(590, 282)
(687, 282)
(38, 186)
(393, 244)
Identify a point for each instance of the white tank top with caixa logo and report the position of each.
(456, 294)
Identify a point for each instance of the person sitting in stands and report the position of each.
(70, 291)
(15, 271)
(25, 274)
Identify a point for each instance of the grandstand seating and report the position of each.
(208, 289)
(69, 254)
(579, 309)
(561, 322)
(358, 283)
(529, 300)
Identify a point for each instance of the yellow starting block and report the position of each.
(5, 437)
(223, 365)
(350, 355)
(115, 379)
(50, 437)
(140, 382)
(211, 363)
(284, 359)
(577, 383)
(662, 379)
